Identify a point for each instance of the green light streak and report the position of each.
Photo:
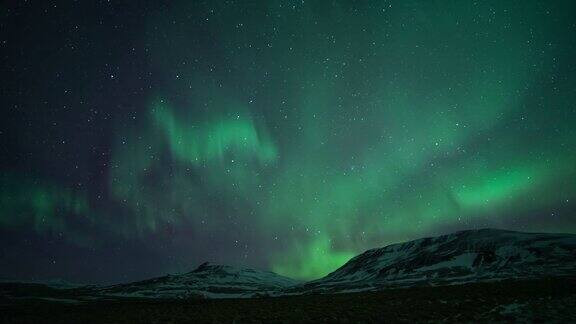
(235, 137)
(44, 207)
(313, 260)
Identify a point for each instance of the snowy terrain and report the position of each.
(206, 281)
(467, 256)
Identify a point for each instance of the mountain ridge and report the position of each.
(480, 255)
(459, 257)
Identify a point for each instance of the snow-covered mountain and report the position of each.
(466, 256)
(461, 257)
(206, 281)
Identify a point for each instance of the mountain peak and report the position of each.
(208, 280)
(220, 268)
(204, 266)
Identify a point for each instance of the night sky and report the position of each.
(139, 138)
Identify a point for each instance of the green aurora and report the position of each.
(330, 128)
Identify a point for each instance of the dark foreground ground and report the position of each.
(545, 300)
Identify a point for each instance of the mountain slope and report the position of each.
(467, 256)
(206, 281)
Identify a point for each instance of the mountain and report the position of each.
(461, 257)
(206, 281)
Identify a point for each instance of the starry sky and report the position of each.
(139, 138)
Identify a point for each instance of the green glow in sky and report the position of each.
(312, 259)
(233, 137)
(295, 135)
(45, 206)
(397, 122)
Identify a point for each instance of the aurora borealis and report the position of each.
(143, 139)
